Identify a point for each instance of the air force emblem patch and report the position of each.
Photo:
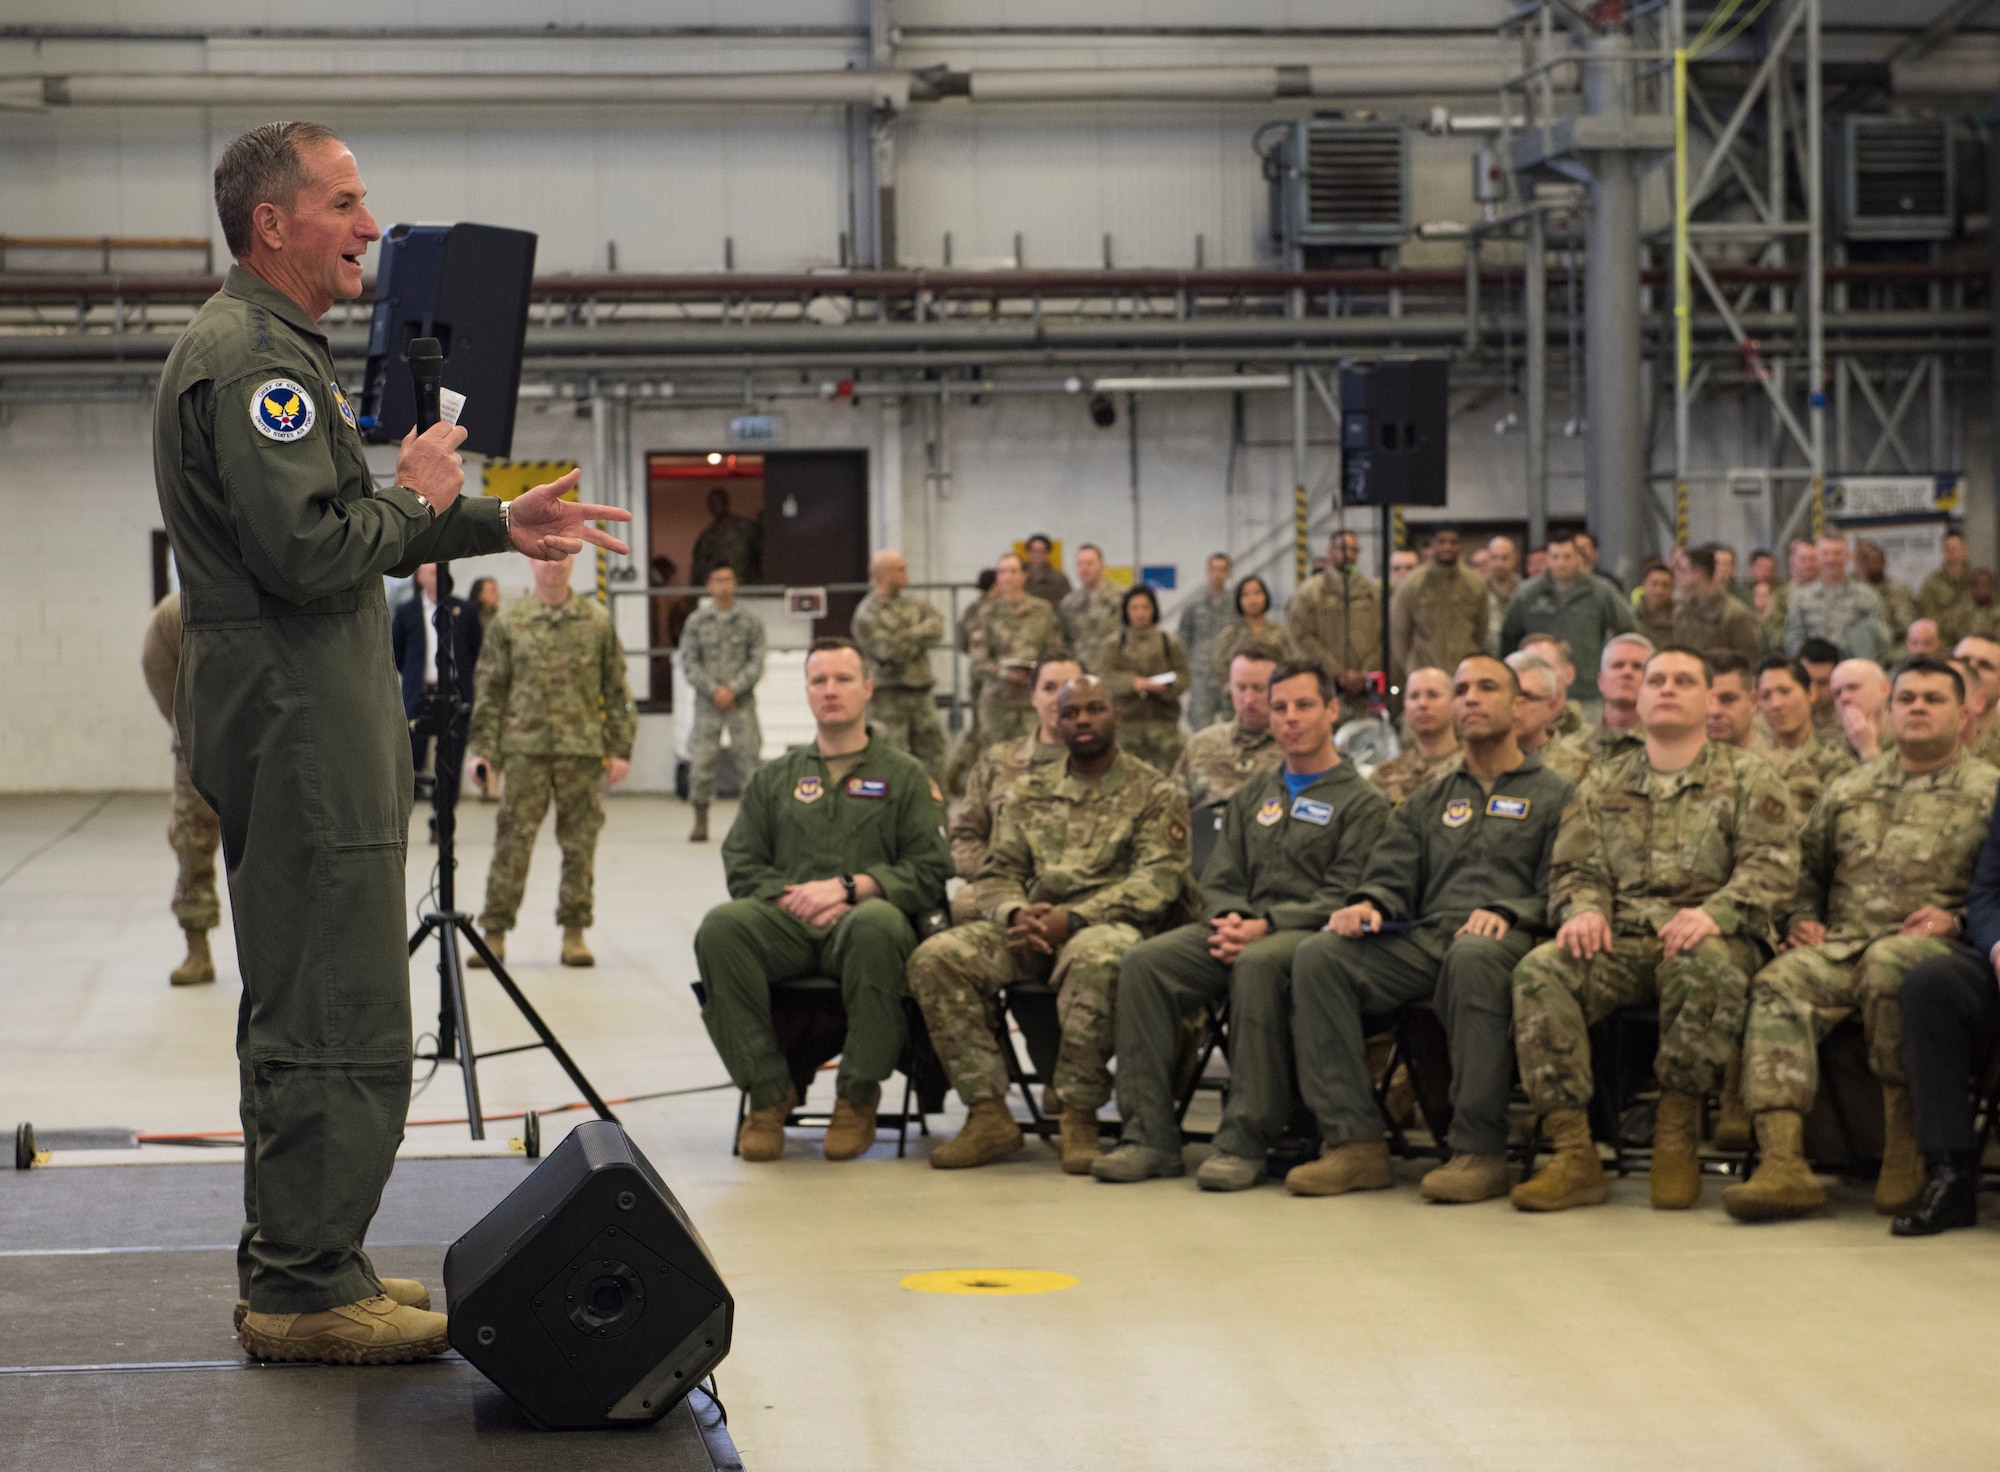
(340, 402)
(282, 410)
(1273, 811)
(1457, 813)
(809, 790)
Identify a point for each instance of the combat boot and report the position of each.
(1225, 1172)
(1079, 1141)
(1574, 1177)
(199, 967)
(852, 1131)
(989, 1134)
(1901, 1179)
(496, 942)
(1675, 1178)
(1783, 1185)
(1732, 1122)
(1466, 1178)
(699, 833)
(406, 1291)
(575, 952)
(375, 1331)
(763, 1134)
(1343, 1168)
(1130, 1162)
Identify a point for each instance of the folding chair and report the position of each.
(811, 1023)
(1417, 1042)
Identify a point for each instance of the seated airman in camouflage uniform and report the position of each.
(1807, 764)
(1535, 715)
(1619, 674)
(1673, 861)
(1089, 857)
(1219, 759)
(897, 633)
(993, 778)
(1427, 714)
(1293, 842)
(1885, 864)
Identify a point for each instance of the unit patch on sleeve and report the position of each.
(808, 790)
(1457, 813)
(867, 787)
(1308, 811)
(1273, 811)
(340, 402)
(1507, 807)
(282, 410)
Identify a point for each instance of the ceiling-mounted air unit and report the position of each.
(1340, 183)
(1895, 179)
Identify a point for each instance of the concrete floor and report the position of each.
(1204, 1332)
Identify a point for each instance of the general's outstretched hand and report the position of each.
(546, 527)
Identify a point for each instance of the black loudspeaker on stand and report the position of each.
(587, 1295)
(442, 717)
(1395, 421)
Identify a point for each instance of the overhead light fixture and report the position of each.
(714, 457)
(1103, 413)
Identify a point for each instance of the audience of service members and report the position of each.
(1758, 806)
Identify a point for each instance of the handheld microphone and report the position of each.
(426, 367)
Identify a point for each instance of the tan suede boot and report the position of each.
(1902, 1177)
(989, 1134)
(574, 951)
(199, 967)
(1079, 1141)
(699, 833)
(1732, 1121)
(406, 1291)
(1466, 1178)
(1675, 1178)
(1574, 1177)
(496, 942)
(852, 1131)
(763, 1134)
(1783, 1185)
(375, 1331)
(1361, 1166)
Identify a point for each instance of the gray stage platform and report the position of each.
(116, 1286)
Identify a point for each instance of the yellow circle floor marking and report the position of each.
(989, 1282)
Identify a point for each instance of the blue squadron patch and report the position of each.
(282, 410)
(867, 787)
(808, 790)
(1308, 811)
(1507, 807)
(1457, 813)
(340, 402)
(1273, 811)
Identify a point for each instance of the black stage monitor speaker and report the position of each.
(1393, 421)
(587, 1295)
(468, 287)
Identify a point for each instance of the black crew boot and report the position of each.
(1950, 1198)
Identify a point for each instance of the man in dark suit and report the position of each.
(413, 634)
(1951, 1018)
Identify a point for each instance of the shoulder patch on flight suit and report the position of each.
(282, 410)
(1457, 813)
(1508, 807)
(867, 787)
(1308, 811)
(1272, 811)
(340, 402)
(808, 790)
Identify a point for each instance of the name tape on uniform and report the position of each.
(867, 787)
(1308, 811)
(1507, 807)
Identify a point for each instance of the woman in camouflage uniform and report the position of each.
(1131, 664)
(1254, 620)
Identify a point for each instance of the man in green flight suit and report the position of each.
(837, 846)
(288, 713)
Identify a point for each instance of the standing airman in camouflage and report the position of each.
(1336, 619)
(1091, 611)
(1427, 712)
(722, 655)
(1438, 615)
(994, 776)
(1089, 857)
(1015, 631)
(1885, 865)
(552, 711)
(1946, 595)
(731, 541)
(1293, 842)
(1219, 759)
(192, 831)
(898, 633)
(1206, 621)
(1674, 860)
